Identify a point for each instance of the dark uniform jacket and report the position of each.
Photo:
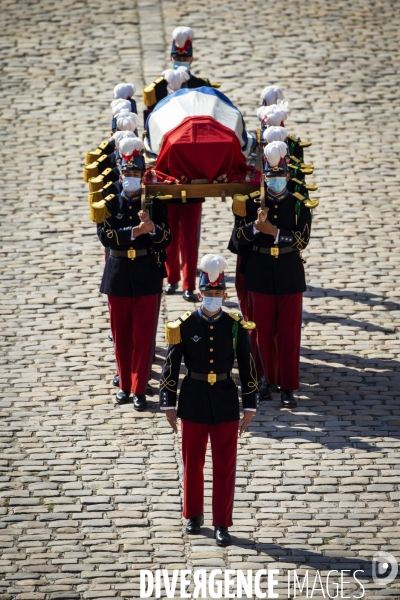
(207, 347)
(141, 276)
(264, 273)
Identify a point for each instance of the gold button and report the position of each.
(211, 326)
(276, 206)
(130, 208)
(212, 339)
(211, 360)
(275, 217)
(211, 349)
(211, 371)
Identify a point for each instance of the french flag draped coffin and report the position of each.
(198, 134)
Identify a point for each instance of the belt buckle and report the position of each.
(131, 254)
(275, 252)
(212, 378)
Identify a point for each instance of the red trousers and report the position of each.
(246, 308)
(223, 447)
(278, 320)
(184, 223)
(133, 325)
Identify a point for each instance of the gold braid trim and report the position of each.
(167, 383)
(165, 231)
(253, 384)
(301, 239)
(240, 231)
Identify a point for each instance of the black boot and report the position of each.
(123, 397)
(265, 390)
(190, 296)
(194, 525)
(139, 402)
(222, 536)
(115, 381)
(170, 288)
(287, 399)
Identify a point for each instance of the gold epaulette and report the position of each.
(96, 183)
(149, 92)
(103, 145)
(310, 187)
(245, 324)
(92, 155)
(99, 210)
(107, 185)
(293, 138)
(298, 163)
(173, 329)
(239, 203)
(215, 84)
(306, 201)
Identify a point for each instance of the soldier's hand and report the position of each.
(171, 418)
(144, 216)
(262, 214)
(247, 417)
(144, 227)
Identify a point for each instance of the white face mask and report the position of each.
(131, 184)
(177, 64)
(212, 303)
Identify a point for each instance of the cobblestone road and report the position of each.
(89, 493)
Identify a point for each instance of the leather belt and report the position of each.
(132, 254)
(275, 251)
(211, 378)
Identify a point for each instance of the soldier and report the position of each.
(184, 218)
(208, 340)
(131, 277)
(274, 273)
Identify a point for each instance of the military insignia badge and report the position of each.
(195, 338)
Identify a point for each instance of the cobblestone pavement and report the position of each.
(89, 493)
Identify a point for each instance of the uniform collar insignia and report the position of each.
(210, 319)
(195, 338)
(129, 198)
(277, 198)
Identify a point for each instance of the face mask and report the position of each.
(177, 64)
(276, 184)
(131, 184)
(211, 303)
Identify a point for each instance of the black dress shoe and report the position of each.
(190, 296)
(110, 336)
(222, 536)
(149, 390)
(266, 390)
(170, 288)
(123, 397)
(139, 402)
(115, 381)
(194, 525)
(287, 399)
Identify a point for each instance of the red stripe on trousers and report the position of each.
(184, 224)
(278, 320)
(223, 439)
(133, 325)
(246, 308)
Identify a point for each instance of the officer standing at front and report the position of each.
(274, 274)
(131, 278)
(208, 340)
